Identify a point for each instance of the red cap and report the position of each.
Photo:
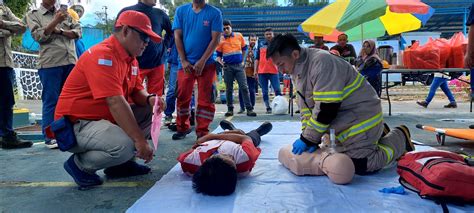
(138, 21)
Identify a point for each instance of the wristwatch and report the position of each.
(148, 99)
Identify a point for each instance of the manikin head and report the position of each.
(217, 176)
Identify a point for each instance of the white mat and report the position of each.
(272, 188)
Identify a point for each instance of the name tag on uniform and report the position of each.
(134, 70)
(105, 62)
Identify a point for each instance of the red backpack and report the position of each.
(438, 175)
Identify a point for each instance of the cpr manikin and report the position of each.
(337, 166)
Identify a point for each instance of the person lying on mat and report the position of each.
(216, 159)
(333, 95)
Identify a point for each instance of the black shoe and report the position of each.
(451, 105)
(251, 113)
(192, 118)
(227, 125)
(173, 127)
(127, 169)
(229, 113)
(269, 110)
(422, 103)
(409, 146)
(83, 179)
(11, 141)
(265, 128)
(297, 112)
(181, 135)
(241, 111)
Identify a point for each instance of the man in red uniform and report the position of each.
(197, 28)
(105, 101)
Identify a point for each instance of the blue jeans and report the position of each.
(7, 100)
(252, 83)
(53, 80)
(171, 94)
(443, 83)
(275, 82)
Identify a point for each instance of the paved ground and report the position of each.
(33, 180)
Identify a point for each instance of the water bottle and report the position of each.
(332, 139)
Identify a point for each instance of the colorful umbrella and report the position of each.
(361, 19)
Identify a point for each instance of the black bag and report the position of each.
(63, 130)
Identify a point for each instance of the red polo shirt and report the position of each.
(103, 71)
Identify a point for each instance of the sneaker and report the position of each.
(269, 110)
(192, 118)
(230, 112)
(168, 120)
(422, 103)
(265, 128)
(451, 105)
(241, 111)
(11, 141)
(127, 169)
(173, 127)
(52, 144)
(227, 125)
(181, 135)
(251, 113)
(83, 179)
(409, 146)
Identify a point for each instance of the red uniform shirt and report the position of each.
(103, 71)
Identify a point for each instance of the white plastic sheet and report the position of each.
(272, 188)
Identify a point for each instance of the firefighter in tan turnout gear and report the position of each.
(333, 95)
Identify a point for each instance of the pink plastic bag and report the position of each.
(156, 123)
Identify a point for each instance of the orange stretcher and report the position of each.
(441, 133)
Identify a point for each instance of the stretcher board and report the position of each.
(270, 187)
(441, 133)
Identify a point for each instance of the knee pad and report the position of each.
(338, 167)
(304, 164)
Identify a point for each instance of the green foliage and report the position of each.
(105, 24)
(18, 7)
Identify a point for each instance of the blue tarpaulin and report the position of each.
(90, 37)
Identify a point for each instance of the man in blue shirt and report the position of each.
(197, 28)
(154, 57)
(469, 60)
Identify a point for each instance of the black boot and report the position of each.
(230, 112)
(127, 169)
(251, 113)
(11, 141)
(265, 128)
(227, 125)
(409, 146)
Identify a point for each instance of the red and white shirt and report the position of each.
(244, 154)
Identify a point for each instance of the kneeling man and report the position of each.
(108, 107)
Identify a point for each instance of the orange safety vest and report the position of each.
(266, 66)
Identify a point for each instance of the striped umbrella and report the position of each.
(361, 19)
